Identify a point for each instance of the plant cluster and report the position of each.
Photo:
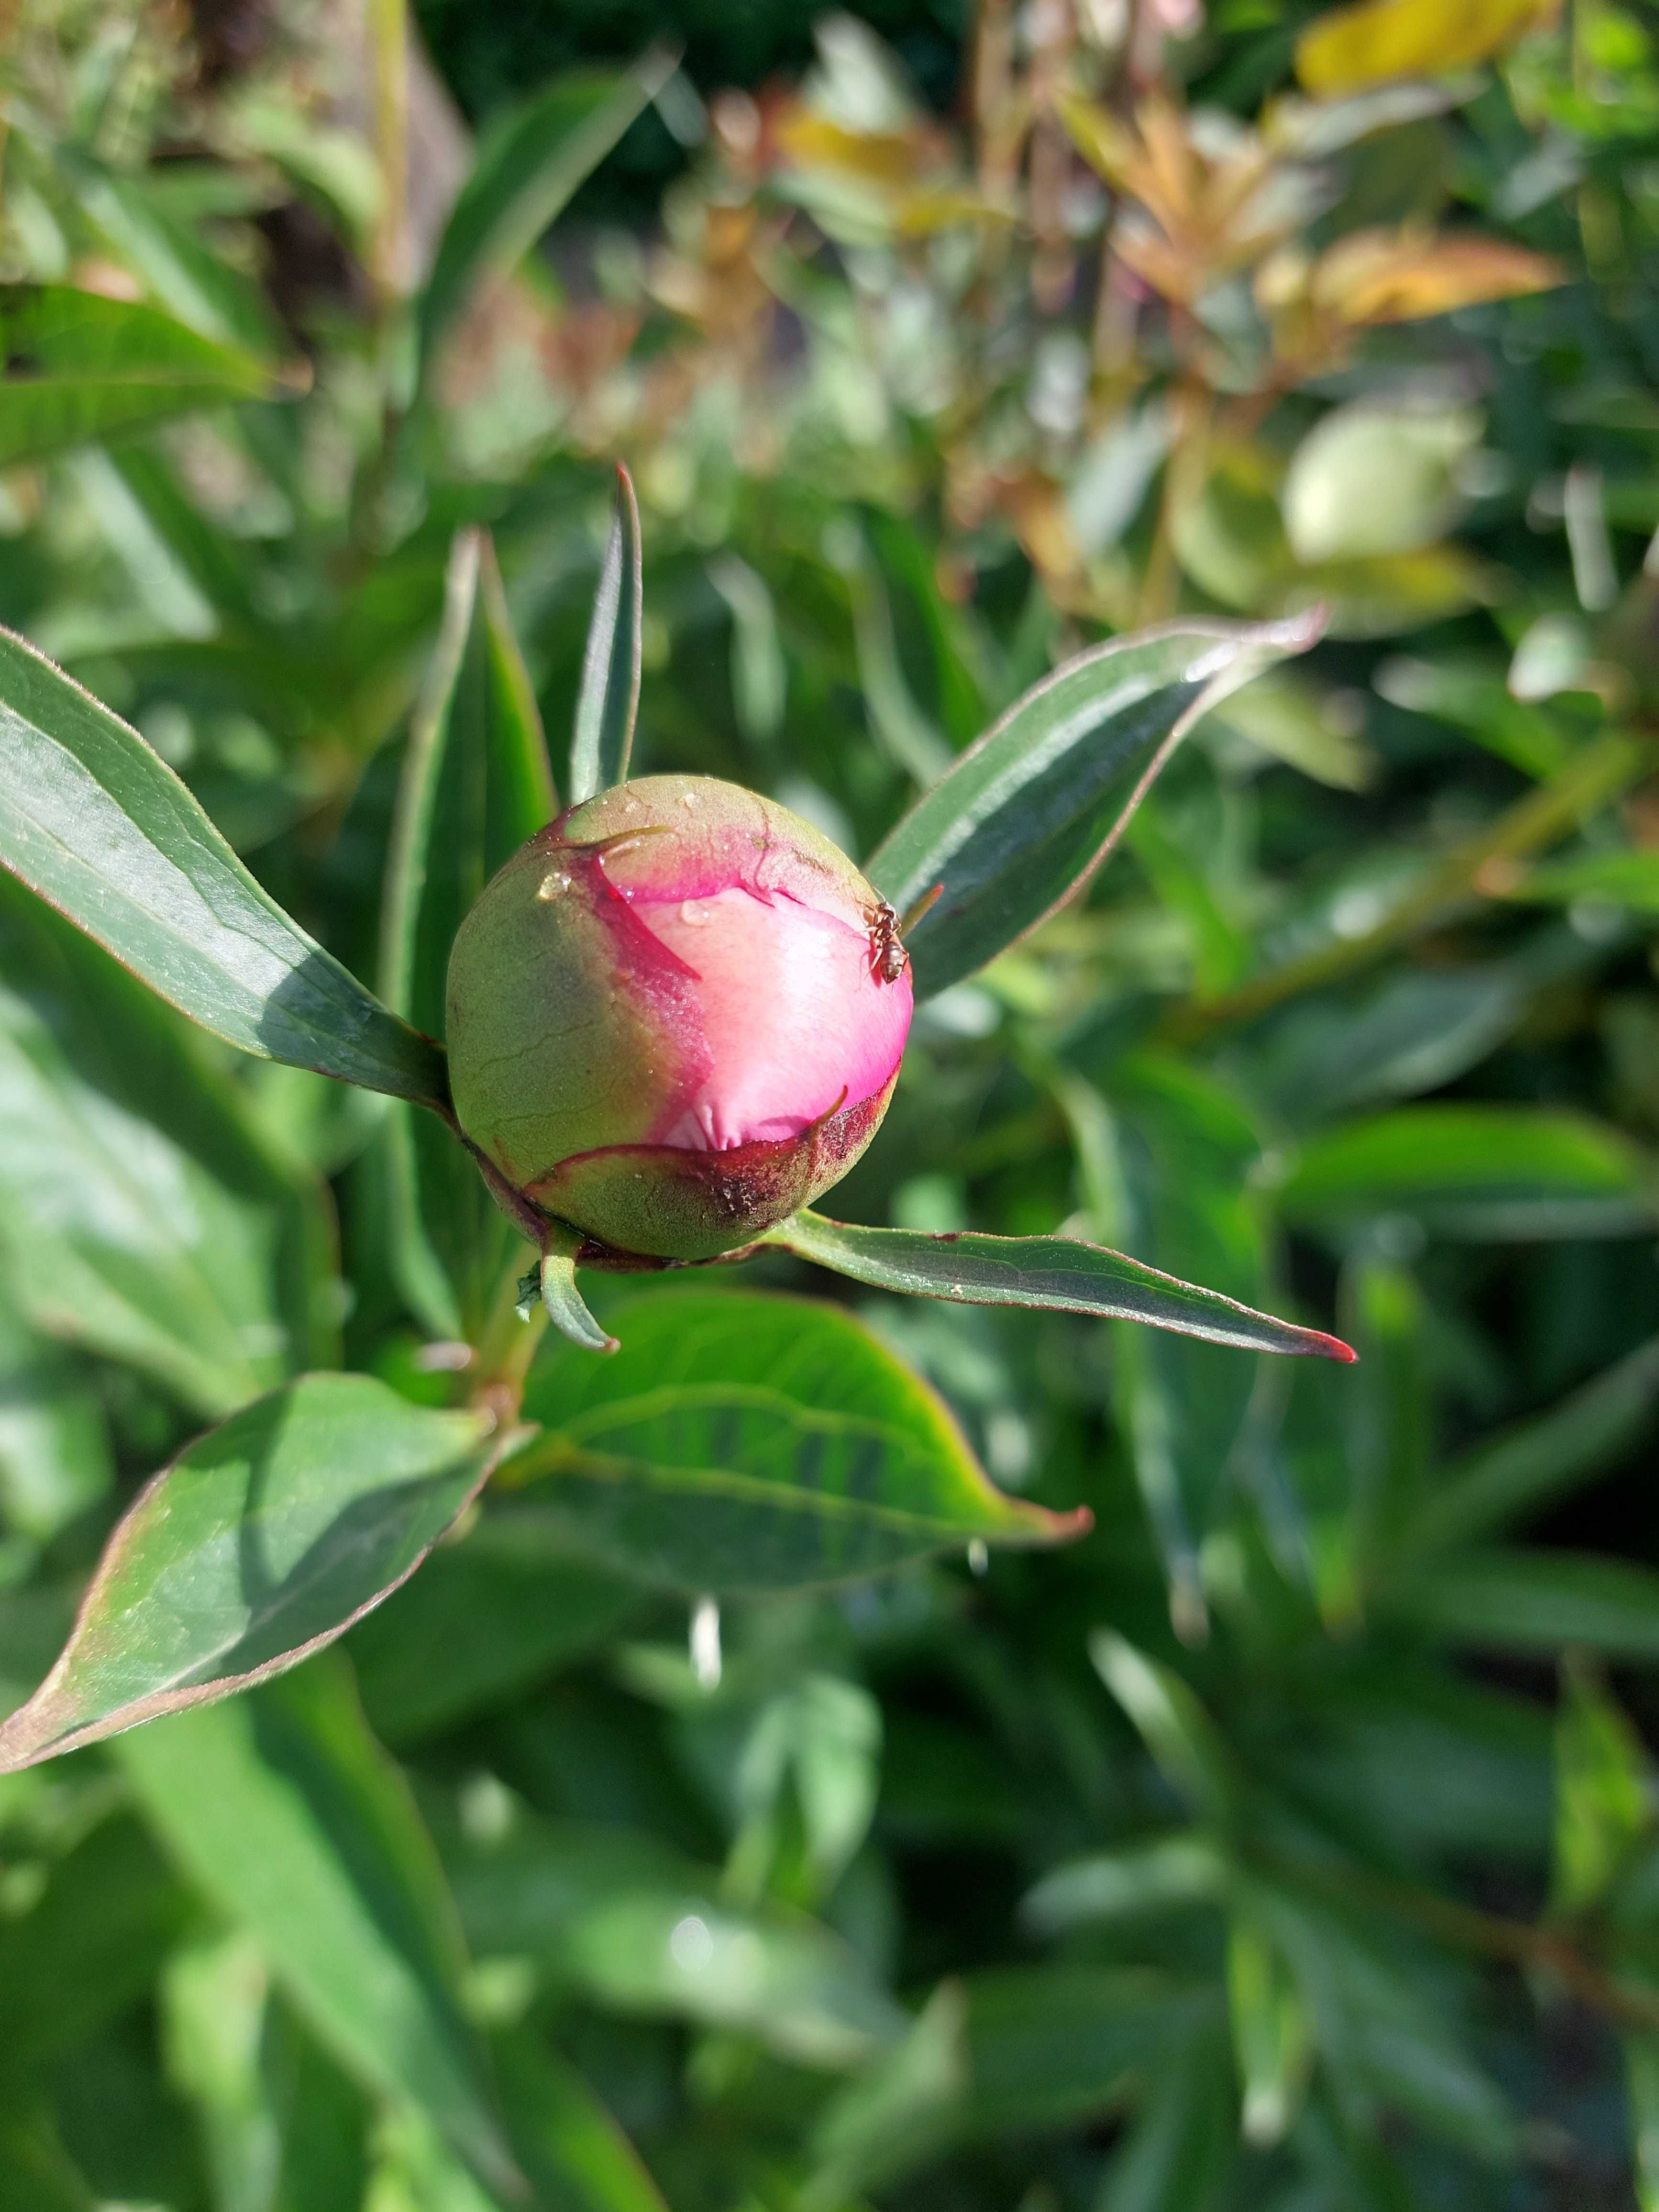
(542, 1670)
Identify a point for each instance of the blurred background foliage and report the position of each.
(1292, 1842)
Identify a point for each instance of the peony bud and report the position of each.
(675, 1016)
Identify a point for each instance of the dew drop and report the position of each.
(693, 916)
(554, 884)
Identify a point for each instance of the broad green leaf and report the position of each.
(1489, 1172)
(526, 171)
(738, 1442)
(504, 1612)
(81, 367)
(1054, 2046)
(1350, 49)
(1533, 1602)
(608, 701)
(36, 2174)
(285, 1814)
(264, 1541)
(1535, 1461)
(476, 784)
(143, 1215)
(1026, 814)
(102, 828)
(1058, 1272)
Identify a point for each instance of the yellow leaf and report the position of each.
(1379, 40)
(1391, 276)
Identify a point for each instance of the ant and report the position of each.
(888, 957)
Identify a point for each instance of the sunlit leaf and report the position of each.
(744, 1443)
(81, 367)
(1058, 1273)
(609, 700)
(1348, 49)
(1389, 276)
(95, 822)
(1027, 814)
(264, 1541)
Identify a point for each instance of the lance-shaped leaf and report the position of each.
(609, 700)
(81, 367)
(1058, 1272)
(739, 1442)
(264, 1541)
(526, 171)
(476, 783)
(142, 1215)
(1028, 813)
(289, 1820)
(99, 825)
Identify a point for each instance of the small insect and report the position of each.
(888, 957)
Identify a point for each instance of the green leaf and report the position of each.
(504, 1612)
(263, 1540)
(1603, 1790)
(1146, 1878)
(1180, 2152)
(553, 1281)
(101, 828)
(1059, 2046)
(81, 367)
(1026, 814)
(1537, 1459)
(748, 1443)
(192, 281)
(608, 701)
(476, 784)
(577, 2159)
(1533, 1602)
(526, 171)
(55, 1459)
(1627, 880)
(642, 1930)
(287, 1816)
(1489, 1172)
(90, 1945)
(1175, 1728)
(898, 2112)
(1058, 1272)
(143, 1215)
(738, 1442)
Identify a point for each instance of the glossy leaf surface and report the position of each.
(264, 1540)
(1026, 814)
(740, 1443)
(99, 825)
(608, 699)
(1058, 1272)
